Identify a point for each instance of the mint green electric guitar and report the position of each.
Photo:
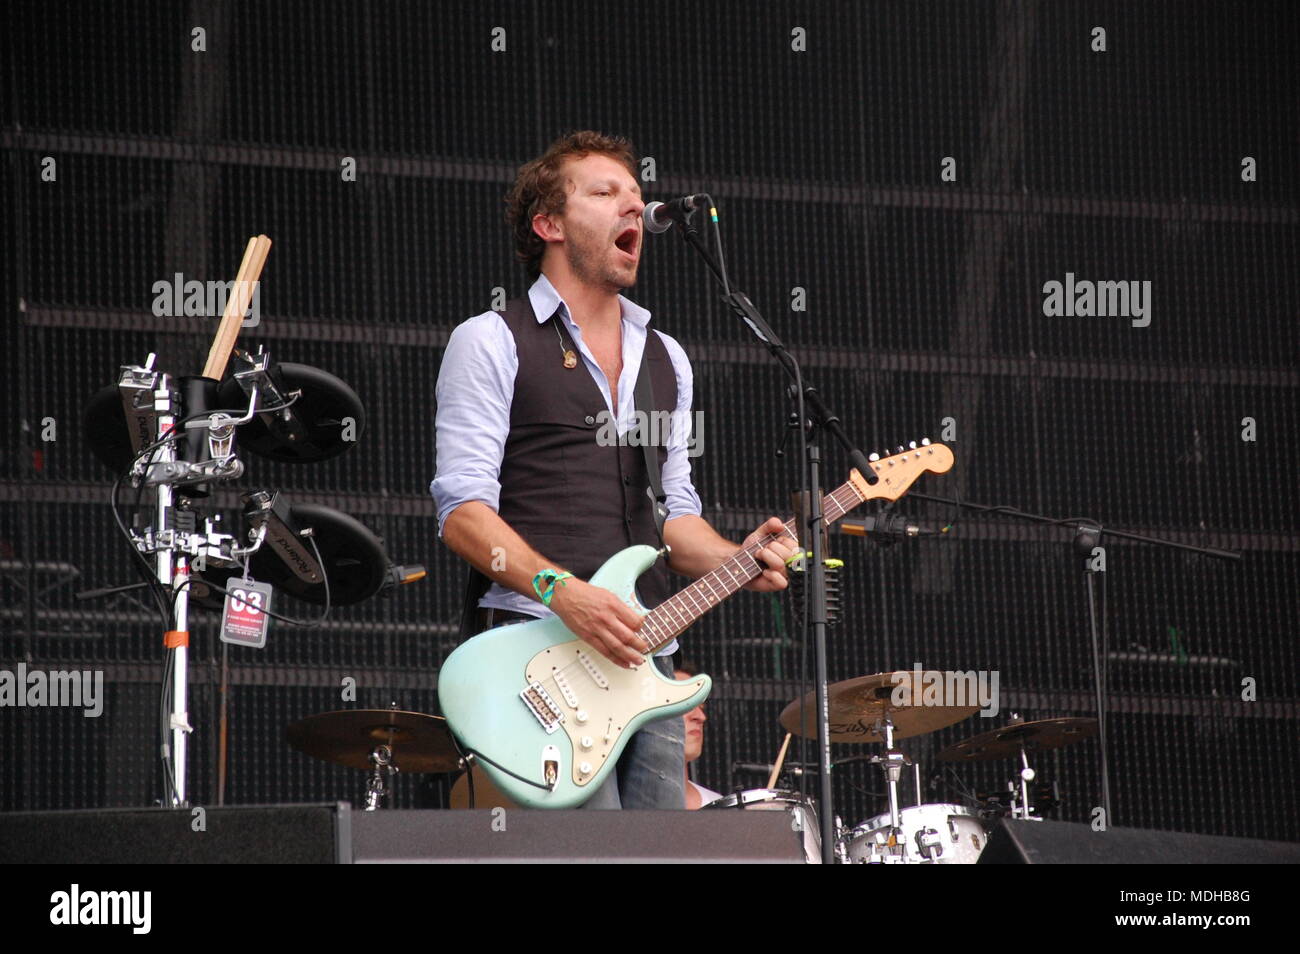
(547, 716)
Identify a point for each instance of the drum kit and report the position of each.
(866, 709)
(869, 709)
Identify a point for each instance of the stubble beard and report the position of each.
(593, 268)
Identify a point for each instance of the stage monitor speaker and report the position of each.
(279, 834)
(1022, 842)
(518, 835)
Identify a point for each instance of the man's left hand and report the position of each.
(771, 557)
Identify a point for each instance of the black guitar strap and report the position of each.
(643, 397)
(476, 584)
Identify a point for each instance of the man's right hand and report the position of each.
(602, 620)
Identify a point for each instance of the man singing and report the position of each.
(526, 490)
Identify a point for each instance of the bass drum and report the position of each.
(803, 816)
(931, 835)
(486, 795)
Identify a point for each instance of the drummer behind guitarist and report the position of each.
(697, 796)
(526, 490)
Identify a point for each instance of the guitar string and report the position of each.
(673, 629)
(698, 601)
(843, 506)
(844, 498)
(745, 575)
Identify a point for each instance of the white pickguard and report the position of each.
(599, 699)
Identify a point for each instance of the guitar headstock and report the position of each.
(898, 471)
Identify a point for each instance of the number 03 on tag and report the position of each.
(244, 621)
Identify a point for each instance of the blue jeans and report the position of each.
(651, 772)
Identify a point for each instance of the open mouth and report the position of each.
(628, 240)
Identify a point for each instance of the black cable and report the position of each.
(309, 623)
(1007, 508)
(717, 236)
(166, 608)
(529, 781)
(956, 507)
(863, 790)
(177, 431)
(325, 577)
(966, 793)
(806, 615)
(806, 678)
(148, 572)
(170, 795)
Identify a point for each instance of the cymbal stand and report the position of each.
(887, 845)
(177, 538)
(1024, 809)
(891, 763)
(382, 767)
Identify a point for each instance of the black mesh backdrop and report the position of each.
(924, 302)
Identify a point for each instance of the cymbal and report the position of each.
(1005, 743)
(419, 742)
(858, 706)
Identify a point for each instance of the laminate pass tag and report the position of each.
(244, 621)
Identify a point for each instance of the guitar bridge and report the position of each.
(542, 706)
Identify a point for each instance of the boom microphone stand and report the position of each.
(1087, 536)
(813, 416)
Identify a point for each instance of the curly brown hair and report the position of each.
(540, 188)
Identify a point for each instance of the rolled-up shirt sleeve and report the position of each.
(476, 384)
(678, 488)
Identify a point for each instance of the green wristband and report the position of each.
(551, 577)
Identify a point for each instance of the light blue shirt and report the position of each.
(476, 385)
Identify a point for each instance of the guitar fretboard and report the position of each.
(671, 617)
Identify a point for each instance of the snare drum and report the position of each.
(931, 835)
(803, 816)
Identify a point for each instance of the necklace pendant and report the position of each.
(570, 360)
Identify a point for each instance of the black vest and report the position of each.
(572, 499)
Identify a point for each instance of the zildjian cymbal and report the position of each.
(419, 742)
(1005, 743)
(858, 707)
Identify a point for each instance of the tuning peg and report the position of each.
(925, 442)
(898, 449)
(911, 445)
(874, 457)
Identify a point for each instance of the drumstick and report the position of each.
(250, 270)
(219, 351)
(780, 760)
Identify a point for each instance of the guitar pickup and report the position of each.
(593, 670)
(562, 683)
(542, 706)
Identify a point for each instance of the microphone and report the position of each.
(887, 528)
(760, 768)
(660, 216)
(399, 575)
